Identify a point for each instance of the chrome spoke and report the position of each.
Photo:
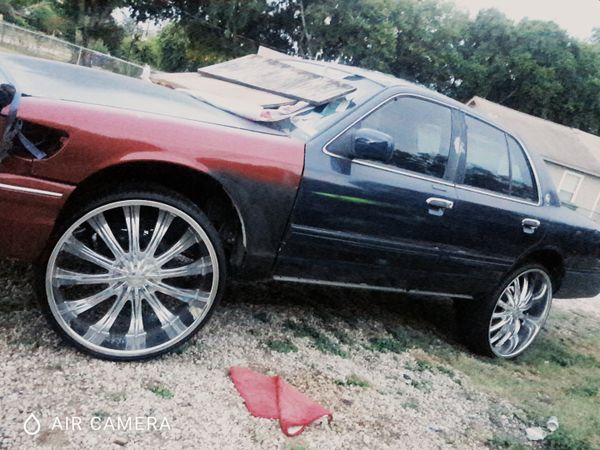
(201, 267)
(77, 248)
(192, 296)
(67, 277)
(136, 336)
(132, 220)
(524, 291)
(542, 293)
(125, 305)
(163, 222)
(186, 241)
(103, 230)
(520, 313)
(171, 323)
(76, 307)
(500, 324)
(98, 332)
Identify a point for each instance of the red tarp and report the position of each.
(273, 398)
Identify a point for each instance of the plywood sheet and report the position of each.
(195, 82)
(276, 77)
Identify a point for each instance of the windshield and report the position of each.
(309, 122)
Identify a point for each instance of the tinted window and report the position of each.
(522, 179)
(421, 132)
(488, 164)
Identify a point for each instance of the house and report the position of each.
(572, 156)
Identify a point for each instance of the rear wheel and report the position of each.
(134, 275)
(506, 323)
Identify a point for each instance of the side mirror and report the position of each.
(372, 145)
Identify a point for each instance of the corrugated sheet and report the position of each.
(566, 146)
(276, 77)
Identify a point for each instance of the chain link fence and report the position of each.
(18, 39)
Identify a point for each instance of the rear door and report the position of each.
(372, 222)
(497, 213)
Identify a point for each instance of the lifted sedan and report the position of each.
(138, 202)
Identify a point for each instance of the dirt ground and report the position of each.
(364, 356)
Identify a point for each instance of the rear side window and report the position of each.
(496, 162)
(488, 164)
(522, 179)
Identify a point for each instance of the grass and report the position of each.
(282, 346)
(353, 380)
(558, 376)
(159, 389)
(387, 345)
(320, 340)
(505, 442)
(410, 404)
(118, 396)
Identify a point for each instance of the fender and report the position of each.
(260, 171)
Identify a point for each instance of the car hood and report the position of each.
(60, 81)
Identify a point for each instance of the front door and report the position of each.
(373, 222)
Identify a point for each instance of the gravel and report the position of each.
(380, 400)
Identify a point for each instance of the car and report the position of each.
(137, 203)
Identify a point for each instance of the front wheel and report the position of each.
(133, 275)
(508, 321)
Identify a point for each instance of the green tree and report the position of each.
(92, 21)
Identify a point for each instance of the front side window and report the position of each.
(420, 132)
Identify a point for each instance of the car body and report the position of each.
(324, 207)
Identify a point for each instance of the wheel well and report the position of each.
(199, 187)
(551, 260)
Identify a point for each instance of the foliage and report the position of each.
(531, 66)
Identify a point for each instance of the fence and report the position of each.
(21, 40)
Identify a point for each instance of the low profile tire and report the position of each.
(506, 323)
(133, 275)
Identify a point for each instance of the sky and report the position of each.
(578, 17)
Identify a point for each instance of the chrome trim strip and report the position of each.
(12, 187)
(365, 286)
(465, 187)
(381, 167)
(440, 180)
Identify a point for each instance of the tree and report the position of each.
(92, 20)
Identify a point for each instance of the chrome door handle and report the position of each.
(437, 206)
(530, 225)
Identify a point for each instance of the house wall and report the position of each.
(587, 196)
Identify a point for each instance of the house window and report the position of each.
(595, 215)
(569, 186)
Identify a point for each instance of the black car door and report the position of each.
(373, 219)
(496, 215)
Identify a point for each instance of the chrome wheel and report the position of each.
(520, 313)
(132, 278)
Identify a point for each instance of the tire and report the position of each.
(500, 327)
(118, 300)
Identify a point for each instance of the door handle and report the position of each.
(530, 225)
(437, 206)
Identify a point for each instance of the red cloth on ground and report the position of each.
(273, 398)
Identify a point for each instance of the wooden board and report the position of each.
(194, 81)
(276, 77)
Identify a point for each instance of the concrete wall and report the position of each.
(587, 197)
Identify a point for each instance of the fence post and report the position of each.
(79, 55)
